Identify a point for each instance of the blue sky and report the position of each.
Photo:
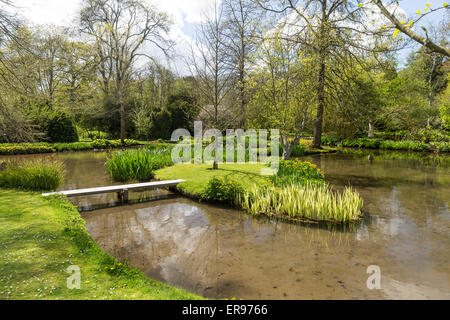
(186, 15)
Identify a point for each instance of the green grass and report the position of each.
(40, 238)
(198, 176)
(35, 174)
(137, 164)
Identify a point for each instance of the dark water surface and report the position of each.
(223, 253)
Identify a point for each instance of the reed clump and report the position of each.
(35, 174)
(303, 202)
(138, 164)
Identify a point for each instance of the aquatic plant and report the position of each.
(223, 190)
(137, 164)
(405, 145)
(36, 174)
(303, 202)
(297, 172)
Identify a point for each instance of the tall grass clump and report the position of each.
(137, 164)
(36, 174)
(303, 202)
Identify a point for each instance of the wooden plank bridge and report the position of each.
(122, 190)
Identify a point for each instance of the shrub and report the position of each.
(405, 145)
(104, 144)
(330, 140)
(24, 149)
(310, 202)
(297, 172)
(36, 174)
(225, 189)
(95, 135)
(59, 127)
(298, 151)
(441, 146)
(431, 135)
(361, 143)
(137, 164)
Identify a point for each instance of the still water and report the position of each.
(219, 252)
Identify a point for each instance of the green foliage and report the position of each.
(95, 135)
(297, 172)
(225, 189)
(59, 127)
(386, 145)
(361, 143)
(298, 151)
(43, 147)
(433, 135)
(331, 141)
(161, 124)
(444, 109)
(303, 202)
(105, 144)
(36, 174)
(441, 146)
(74, 146)
(405, 145)
(137, 164)
(24, 149)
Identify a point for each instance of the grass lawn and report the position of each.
(40, 238)
(197, 176)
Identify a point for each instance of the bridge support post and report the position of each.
(123, 195)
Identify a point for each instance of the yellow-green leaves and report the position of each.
(409, 25)
(360, 5)
(445, 5)
(396, 32)
(419, 12)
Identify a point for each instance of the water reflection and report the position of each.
(222, 253)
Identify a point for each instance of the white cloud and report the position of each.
(61, 13)
(64, 13)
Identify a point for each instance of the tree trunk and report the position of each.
(321, 105)
(122, 118)
(215, 164)
(371, 132)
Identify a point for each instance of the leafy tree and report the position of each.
(281, 89)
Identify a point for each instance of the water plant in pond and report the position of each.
(223, 190)
(303, 202)
(36, 174)
(297, 172)
(137, 164)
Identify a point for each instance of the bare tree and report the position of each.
(241, 26)
(120, 29)
(210, 66)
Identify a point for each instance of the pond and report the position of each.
(219, 252)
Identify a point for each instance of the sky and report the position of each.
(186, 14)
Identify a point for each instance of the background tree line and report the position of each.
(305, 67)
